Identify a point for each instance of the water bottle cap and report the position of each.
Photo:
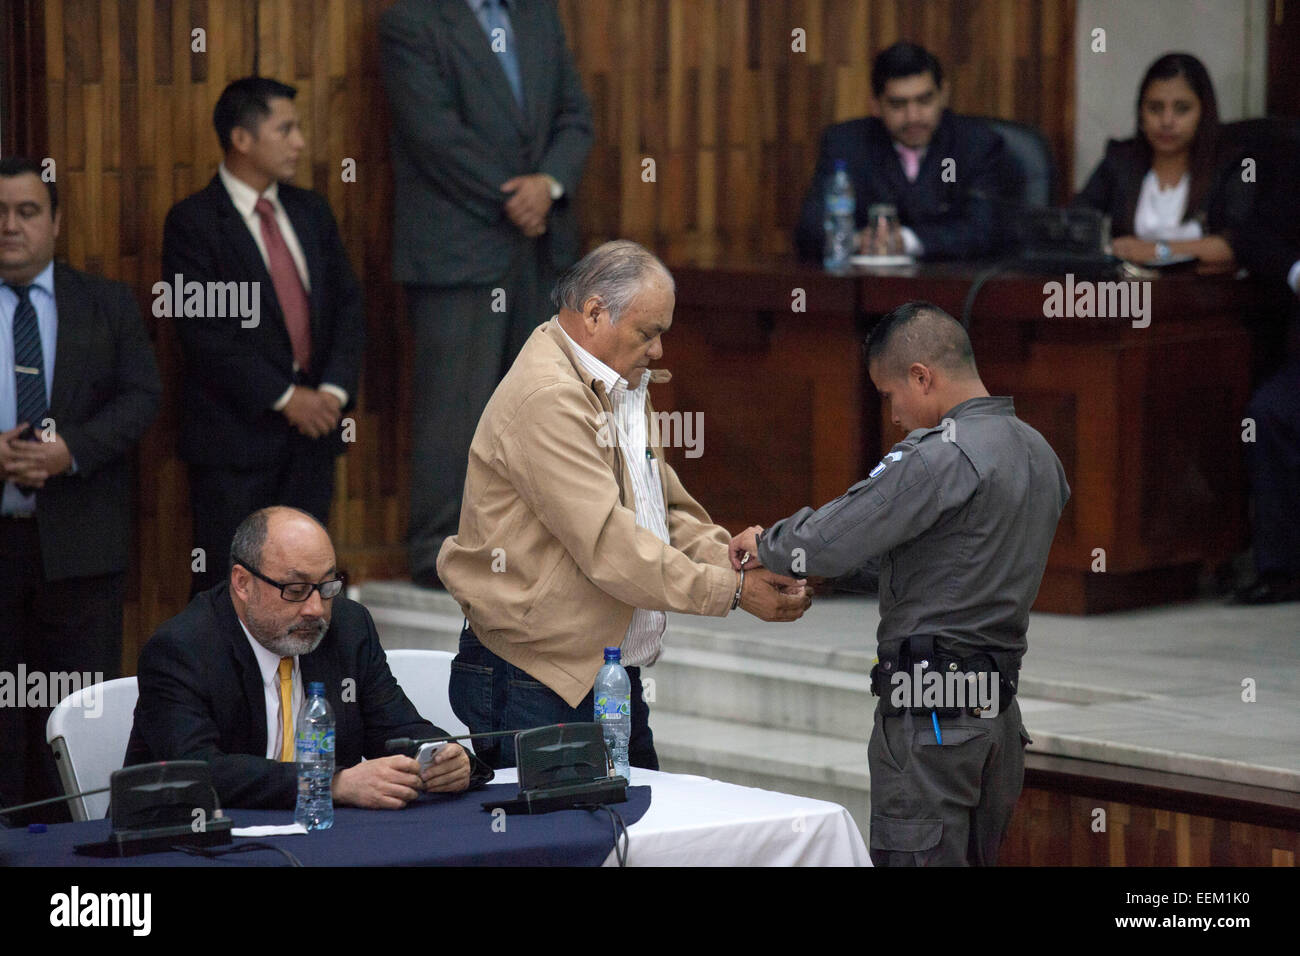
(316, 688)
(613, 654)
(841, 165)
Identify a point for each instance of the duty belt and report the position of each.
(918, 657)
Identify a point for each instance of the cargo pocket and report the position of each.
(952, 736)
(893, 835)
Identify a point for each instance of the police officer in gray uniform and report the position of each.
(955, 523)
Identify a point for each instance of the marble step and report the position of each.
(724, 690)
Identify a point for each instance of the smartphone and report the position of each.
(427, 752)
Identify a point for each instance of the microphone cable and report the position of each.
(216, 853)
(620, 829)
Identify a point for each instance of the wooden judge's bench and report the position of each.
(1147, 421)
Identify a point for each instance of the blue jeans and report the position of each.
(489, 694)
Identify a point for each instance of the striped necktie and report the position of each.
(29, 361)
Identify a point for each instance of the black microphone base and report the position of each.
(158, 840)
(575, 796)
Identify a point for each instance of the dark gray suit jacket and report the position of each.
(459, 133)
(105, 394)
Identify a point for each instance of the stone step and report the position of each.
(765, 693)
(736, 677)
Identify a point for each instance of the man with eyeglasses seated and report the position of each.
(215, 680)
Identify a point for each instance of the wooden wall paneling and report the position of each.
(708, 88)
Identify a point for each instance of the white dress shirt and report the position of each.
(269, 664)
(644, 638)
(245, 198)
(1160, 211)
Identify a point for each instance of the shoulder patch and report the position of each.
(884, 463)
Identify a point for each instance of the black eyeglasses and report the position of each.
(299, 591)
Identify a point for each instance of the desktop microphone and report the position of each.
(561, 766)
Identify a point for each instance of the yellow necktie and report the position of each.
(286, 709)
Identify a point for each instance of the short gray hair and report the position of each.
(250, 538)
(614, 273)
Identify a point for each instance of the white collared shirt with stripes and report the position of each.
(644, 638)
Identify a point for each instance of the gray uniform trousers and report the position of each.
(946, 805)
(463, 347)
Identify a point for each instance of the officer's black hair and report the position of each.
(246, 102)
(12, 166)
(925, 333)
(900, 60)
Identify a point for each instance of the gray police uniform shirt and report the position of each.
(957, 520)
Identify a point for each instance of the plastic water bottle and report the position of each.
(315, 736)
(840, 225)
(613, 694)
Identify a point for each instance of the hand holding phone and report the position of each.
(427, 752)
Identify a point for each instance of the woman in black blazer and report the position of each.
(1176, 187)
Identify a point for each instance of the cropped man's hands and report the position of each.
(386, 783)
(880, 239)
(311, 411)
(29, 463)
(529, 203)
(449, 772)
(774, 597)
(745, 543)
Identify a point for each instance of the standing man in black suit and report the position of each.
(78, 387)
(265, 388)
(1269, 246)
(214, 680)
(490, 132)
(943, 173)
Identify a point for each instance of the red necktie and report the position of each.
(288, 285)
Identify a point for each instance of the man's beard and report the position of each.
(297, 639)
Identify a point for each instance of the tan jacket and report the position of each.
(549, 563)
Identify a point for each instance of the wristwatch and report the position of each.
(557, 188)
(1163, 252)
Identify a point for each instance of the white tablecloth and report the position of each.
(695, 821)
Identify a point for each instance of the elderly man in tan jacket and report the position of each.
(575, 533)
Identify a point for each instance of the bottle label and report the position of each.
(840, 205)
(315, 744)
(612, 708)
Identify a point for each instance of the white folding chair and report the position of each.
(88, 732)
(424, 677)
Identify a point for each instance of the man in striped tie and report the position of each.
(78, 387)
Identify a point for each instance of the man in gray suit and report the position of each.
(490, 132)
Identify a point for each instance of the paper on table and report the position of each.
(865, 260)
(280, 830)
